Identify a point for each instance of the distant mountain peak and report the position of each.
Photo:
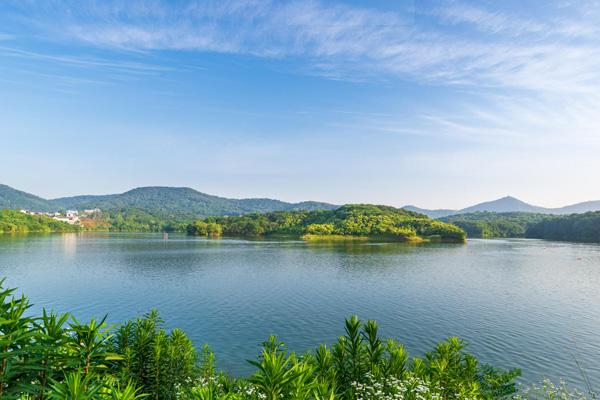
(510, 204)
(503, 204)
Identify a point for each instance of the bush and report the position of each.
(320, 229)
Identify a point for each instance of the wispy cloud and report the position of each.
(84, 62)
(548, 57)
(341, 40)
(5, 36)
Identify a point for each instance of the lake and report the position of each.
(518, 303)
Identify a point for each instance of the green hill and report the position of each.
(349, 221)
(164, 202)
(180, 203)
(15, 199)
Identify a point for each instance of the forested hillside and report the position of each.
(14, 199)
(181, 202)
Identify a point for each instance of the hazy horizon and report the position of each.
(435, 103)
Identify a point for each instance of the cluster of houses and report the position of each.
(69, 216)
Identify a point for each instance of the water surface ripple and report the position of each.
(518, 303)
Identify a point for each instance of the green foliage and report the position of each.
(41, 355)
(350, 220)
(12, 221)
(498, 225)
(279, 374)
(574, 227)
(139, 220)
(201, 228)
(160, 363)
(320, 229)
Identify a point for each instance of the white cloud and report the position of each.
(343, 40)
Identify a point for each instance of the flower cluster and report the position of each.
(392, 388)
(551, 391)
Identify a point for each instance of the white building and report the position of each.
(69, 220)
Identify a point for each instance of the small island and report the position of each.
(349, 222)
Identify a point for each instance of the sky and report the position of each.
(436, 103)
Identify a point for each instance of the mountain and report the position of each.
(578, 208)
(431, 213)
(505, 204)
(509, 204)
(76, 202)
(182, 201)
(166, 201)
(189, 203)
(14, 199)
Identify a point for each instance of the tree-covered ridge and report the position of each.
(357, 220)
(495, 225)
(182, 202)
(12, 221)
(574, 228)
(56, 356)
(15, 199)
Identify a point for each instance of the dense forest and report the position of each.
(12, 221)
(495, 225)
(575, 228)
(366, 221)
(136, 220)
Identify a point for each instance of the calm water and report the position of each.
(518, 303)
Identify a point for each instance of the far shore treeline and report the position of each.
(349, 221)
(583, 227)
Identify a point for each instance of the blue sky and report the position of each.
(434, 103)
